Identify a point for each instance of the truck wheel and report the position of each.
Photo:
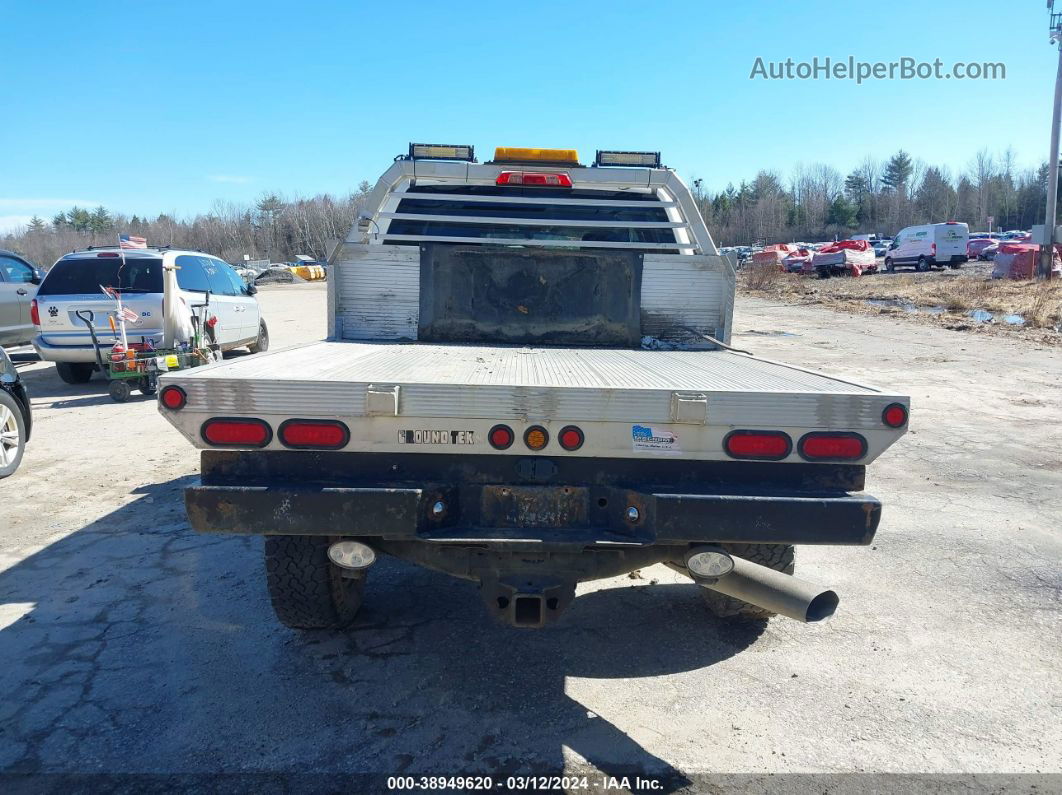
(890, 266)
(780, 557)
(12, 434)
(923, 265)
(260, 345)
(74, 372)
(306, 589)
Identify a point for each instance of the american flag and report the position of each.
(132, 241)
(129, 315)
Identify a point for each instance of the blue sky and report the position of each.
(149, 107)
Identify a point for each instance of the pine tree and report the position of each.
(897, 171)
(100, 220)
(36, 224)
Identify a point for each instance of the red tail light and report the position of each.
(314, 434)
(557, 180)
(35, 315)
(501, 437)
(933, 249)
(894, 415)
(758, 445)
(173, 398)
(236, 432)
(570, 438)
(832, 447)
(109, 254)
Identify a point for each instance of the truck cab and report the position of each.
(528, 383)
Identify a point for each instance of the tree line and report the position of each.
(818, 202)
(274, 228)
(815, 203)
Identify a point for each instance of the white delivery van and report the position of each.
(928, 245)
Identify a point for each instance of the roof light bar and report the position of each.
(635, 159)
(520, 154)
(441, 152)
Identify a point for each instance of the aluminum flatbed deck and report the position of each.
(377, 388)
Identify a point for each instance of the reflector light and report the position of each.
(173, 398)
(895, 415)
(314, 434)
(501, 437)
(236, 432)
(570, 438)
(441, 152)
(642, 159)
(758, 445)
(558, 180)
(536, 437)
(832, 446)
(520, 154)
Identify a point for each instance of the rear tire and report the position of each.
(890, 266)
(922, 265)
(780, 557)
(74, 372)
(261, 345)
(307, 590)
(12, 434)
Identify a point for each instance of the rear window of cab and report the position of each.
(88, 275)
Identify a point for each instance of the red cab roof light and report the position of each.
(236, 432)
(314, 434)
(832, 447)
(549, 180)
(758, 445)
(113, 254)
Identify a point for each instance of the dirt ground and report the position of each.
(965, 299)
(128, 644)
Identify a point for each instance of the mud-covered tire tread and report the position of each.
(780, 557)
(307, 591)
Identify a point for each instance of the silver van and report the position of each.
(75, 285)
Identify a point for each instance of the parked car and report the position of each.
(988, 253)
(16, 418)
(18, 282)
(929, 244)
(975, 248)
(881, 245)
(75, 282)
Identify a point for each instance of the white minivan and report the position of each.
(75, 284)
(928, 245)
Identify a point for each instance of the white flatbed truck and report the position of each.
(528, 384)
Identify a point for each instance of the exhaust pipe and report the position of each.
(758, 585)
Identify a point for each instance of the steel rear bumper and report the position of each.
(543, 514)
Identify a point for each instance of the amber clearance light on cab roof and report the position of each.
(520, 154)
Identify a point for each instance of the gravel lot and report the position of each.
(128, 644)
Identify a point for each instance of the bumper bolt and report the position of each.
(438, 509)
(633, 515)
